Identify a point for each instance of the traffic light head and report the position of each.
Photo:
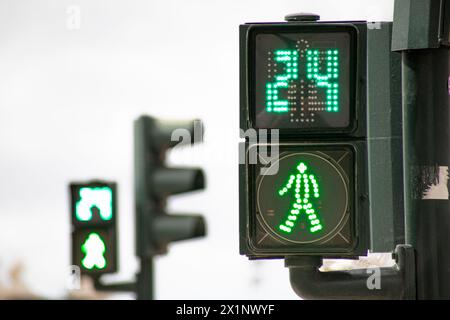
(307, 81)
(94, 242)
(303, 77)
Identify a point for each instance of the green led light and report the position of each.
(94, 249)
(328, 79)
(290, 59)
(94, 197)
(314, 220)
(285, 229)
(280, 109)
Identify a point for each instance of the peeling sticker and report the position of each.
(374, 25)
(439, 189)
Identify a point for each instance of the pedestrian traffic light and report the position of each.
(322, 176)
(305, 81)
(94, 218)
(154, 183)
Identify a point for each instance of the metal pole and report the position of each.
(421, 34)
(426, 143)
(145, 283)
(143, 208)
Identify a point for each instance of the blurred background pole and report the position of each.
(145, 285)
(421, 33)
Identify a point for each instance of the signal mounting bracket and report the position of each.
(396, 282)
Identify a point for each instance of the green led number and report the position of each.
(94, 249)
(303, 182)
(98, 197)
(290, 59)
(329, 79)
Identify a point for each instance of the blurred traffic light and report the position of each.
(154, 182)
(94, 218)
(306, 80)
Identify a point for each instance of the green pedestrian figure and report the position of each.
(302, 202)
(94, 248)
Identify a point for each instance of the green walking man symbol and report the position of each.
(303, 183)
(94, 249)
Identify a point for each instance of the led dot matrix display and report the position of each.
(302, 80)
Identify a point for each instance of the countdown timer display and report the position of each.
(307, 200)
(303, 80)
